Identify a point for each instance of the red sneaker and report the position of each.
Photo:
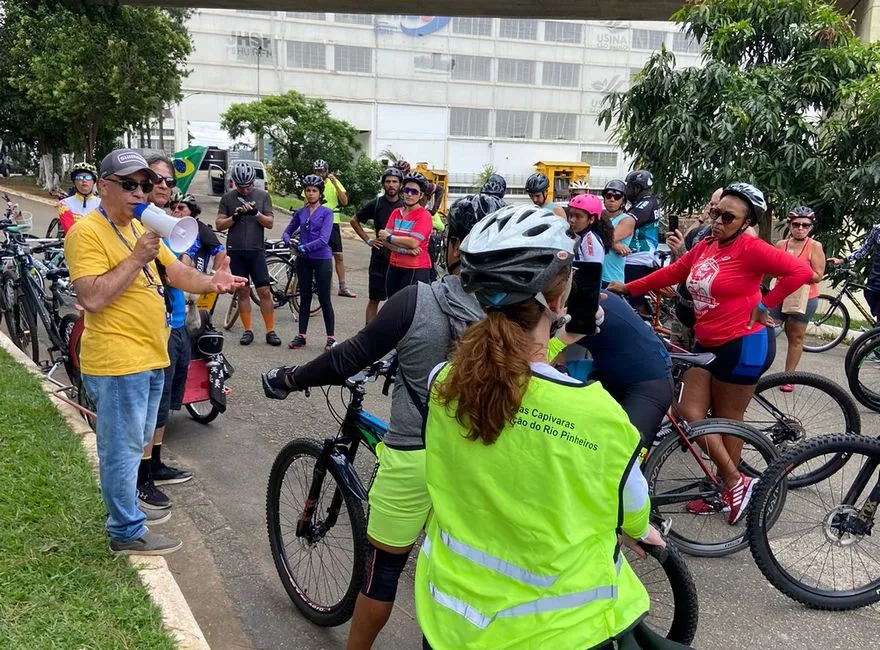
(738, 498)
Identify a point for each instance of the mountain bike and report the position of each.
(283, 282)
(318, 531)
(815, 544)
(863, 371)
(832, 313)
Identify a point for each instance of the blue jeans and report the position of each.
(127, 407)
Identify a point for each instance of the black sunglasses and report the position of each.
(613, 195)
(169, 181)
(801, 225)
(130, 186)
(411, 191)
(727, 218)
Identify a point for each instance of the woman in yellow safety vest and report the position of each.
(531, 474)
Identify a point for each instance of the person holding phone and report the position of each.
(724, 274)
(502, 422)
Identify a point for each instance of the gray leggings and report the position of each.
(321, 273)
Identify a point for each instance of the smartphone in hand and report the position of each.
(583, 302)
(673, 223)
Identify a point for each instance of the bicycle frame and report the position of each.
(863, 522)
(846, 290)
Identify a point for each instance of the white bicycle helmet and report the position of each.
(579, 184)
(510, 255)
(243, 173)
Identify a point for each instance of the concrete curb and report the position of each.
(153, 571)
(27, 195)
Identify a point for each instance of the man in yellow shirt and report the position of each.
(113, 266)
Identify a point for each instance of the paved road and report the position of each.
(226, 571)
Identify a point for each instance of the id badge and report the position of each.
(167, 319)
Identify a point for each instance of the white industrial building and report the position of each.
(457, 93)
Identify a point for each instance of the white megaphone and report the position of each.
(179, 233)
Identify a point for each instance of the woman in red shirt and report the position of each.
(407, 236)
(724, 273)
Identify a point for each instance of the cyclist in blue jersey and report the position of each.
(537, 187)
(645, 209)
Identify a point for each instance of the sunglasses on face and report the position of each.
(727, 218)
(411, 191)
(616, 196)
(169, 181)
(129, 185)
(178, 206)
(801, 225)
(83, 177)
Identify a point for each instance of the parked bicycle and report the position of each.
(831, 322)
(862, 367)
(317, 527)
(815, 544)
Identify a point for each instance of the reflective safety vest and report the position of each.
(521, 550)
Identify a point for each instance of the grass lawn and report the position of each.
(59, 585)
(286, 202)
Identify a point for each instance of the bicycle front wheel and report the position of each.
(828, 326)
(681, 476)
(863, 375)
(320, 558)
(815, 406)
(674, 606)
(816, 547)
(864, 339)
(231, 312)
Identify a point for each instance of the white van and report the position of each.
(259, 183)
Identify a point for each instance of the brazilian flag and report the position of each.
(186, 164)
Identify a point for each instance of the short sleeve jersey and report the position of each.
(246, 234)
(646, 238)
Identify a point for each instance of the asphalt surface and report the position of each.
(225, 568)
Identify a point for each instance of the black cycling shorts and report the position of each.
(742, 361)
(336, 239)
(251, 265)
(379, 261)
(646, 404)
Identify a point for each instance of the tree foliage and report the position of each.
(76, 76)
(786, 98)
(301, 130)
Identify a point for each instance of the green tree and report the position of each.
(488, 170)
(780, 100)
(301, 130)
(84, 75)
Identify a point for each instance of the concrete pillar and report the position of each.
(867, 16)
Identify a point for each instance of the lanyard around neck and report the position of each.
(146, 267)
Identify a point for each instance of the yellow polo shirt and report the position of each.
(130, 334)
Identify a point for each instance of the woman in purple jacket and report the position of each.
(314, 260)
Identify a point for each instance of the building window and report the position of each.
(472, 122)
(526, 30)
(648, 39)
(349, 58)
(563, 32)
(311, 56)
(471, 68)
(685, 44)
(432, 62)
(305, 15)
(599, 158)
(558, 126)
(472, 26)
(354, 19)
(513, 124)
(516, 71)
(253, 48)
(563, 75)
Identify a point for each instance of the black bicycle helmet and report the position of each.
(802, 212)
(637, 182)
(243, 173)
(313, 180)
(416, 177)
(537, 183)
(83, 167)
(615, 185)
(467, 211)
(403, 166)
(510, 256)
(495, 186)
(752, 196)
(392, 171)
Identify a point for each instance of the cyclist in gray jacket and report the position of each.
(421, 322)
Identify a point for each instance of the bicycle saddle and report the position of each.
(696, 359)
(55, 274)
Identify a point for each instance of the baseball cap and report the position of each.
(124, 162)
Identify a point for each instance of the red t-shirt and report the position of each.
(417, 224)
(725, 284)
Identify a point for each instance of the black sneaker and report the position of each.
(247, 338)
(152, 498)
(272, 338)
(298, 342)
(331, 342)
(166, 475)
(274, 384)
